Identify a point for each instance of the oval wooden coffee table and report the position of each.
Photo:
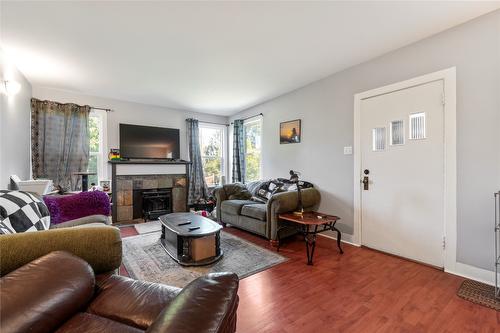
(190, 239)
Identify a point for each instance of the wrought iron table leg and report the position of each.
(310, 240)
(339, 237)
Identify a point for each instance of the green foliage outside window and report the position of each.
(253, 133)
(211, 154)
(94, 148)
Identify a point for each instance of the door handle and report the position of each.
(365, 182)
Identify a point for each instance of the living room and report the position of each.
(246, 166)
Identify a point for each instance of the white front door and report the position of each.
(402, 152)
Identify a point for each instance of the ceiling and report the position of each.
(212, 57)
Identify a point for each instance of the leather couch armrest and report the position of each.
(100, 246)
(43, 294)
(287, 202)
(208, 304)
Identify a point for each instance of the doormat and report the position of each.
(479, 293)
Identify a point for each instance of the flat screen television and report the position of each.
(143, 142)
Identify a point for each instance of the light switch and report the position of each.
(347, 150)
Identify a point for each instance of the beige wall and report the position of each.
(326, 109)
(14, 125)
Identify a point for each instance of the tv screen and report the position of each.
(148, 142)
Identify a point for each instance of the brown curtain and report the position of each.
(59, 142)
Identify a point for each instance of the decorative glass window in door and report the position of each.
(397, 130)
(417, 126)
(378, 137)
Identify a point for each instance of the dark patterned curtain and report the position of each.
(238, 151)
(59, 142)
(197, 187)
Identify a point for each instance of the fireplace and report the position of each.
(152, 203)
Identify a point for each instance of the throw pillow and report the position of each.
(22, 211)
(267, 190)
(289, 186)
(237, 191)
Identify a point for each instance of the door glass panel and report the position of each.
(417, 126)
(397, 130)
(378, 134)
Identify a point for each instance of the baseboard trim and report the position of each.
(473, 273)
(346, 238)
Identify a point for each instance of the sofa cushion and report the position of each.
(131, 302)
(234, 206)
(256, 211)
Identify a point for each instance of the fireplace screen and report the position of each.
(151, 204)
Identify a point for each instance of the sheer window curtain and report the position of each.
(59, 142)
(238, 151)
(197, 187)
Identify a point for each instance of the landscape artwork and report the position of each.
(290, 131)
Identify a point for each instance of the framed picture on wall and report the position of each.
(290, 131)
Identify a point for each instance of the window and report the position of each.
(253, 135)
(378, 135)
(97, 136)
(397, 133)
(212, 146)
(417, 126)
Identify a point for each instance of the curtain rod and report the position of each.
(260, 114)
(209, 122)
(104, 109)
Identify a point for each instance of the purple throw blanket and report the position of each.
(64, 208)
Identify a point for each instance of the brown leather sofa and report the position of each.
(61, 292)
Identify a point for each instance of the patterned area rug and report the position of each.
(479, 293)
(145, 259)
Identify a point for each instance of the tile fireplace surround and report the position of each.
(127, 176)
(126, 184)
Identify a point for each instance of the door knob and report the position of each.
(365, 182)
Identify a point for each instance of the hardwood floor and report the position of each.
(359, 291)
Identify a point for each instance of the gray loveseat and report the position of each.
(259, 218)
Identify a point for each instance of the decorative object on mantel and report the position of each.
(294, 178)
(114, 154)
(290, 131)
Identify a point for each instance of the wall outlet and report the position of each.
(347, 150)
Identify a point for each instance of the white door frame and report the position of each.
(450, 156)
